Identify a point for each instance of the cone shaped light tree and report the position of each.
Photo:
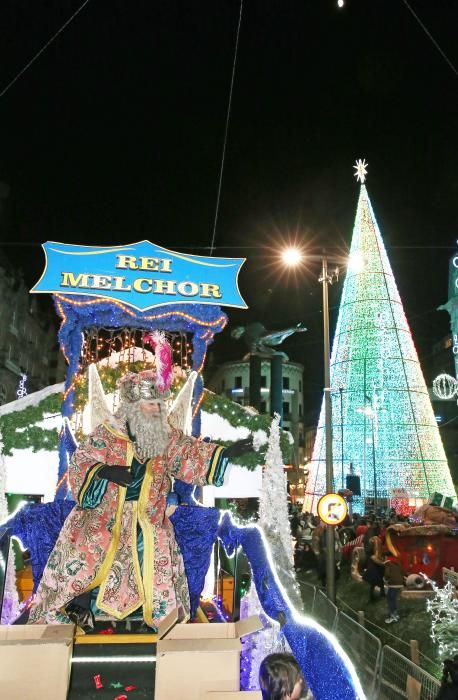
(383, 423)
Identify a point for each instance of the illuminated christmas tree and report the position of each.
(382, 419)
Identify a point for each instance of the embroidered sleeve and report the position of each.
(195, 461)
(87, 459)
(93, 489)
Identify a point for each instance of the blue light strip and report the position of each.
(326, 667)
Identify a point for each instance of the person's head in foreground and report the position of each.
(280, 678)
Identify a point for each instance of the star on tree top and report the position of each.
(361, 170)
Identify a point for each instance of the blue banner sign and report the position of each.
(142, 275)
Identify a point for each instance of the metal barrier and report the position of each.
(400, 678)
(308, 593)
(363, 648)
(324, 611)
(384, 673)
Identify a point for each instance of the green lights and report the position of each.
(385, 425)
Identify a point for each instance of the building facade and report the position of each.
(28, 341)
(232, 379)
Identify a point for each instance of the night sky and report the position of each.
(115, 134)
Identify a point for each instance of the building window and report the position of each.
(285, 382)
(223, 384)
(238, 382)
(263, 407)
(263, 381)
(300, 409)
(300, 384)
(286, 409)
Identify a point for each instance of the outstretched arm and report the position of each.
(201, 463)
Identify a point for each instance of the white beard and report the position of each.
(151, 432)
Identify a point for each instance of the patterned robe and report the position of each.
(97, 546)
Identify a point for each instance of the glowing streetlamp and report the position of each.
(292, 256)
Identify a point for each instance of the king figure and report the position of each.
(116, 554)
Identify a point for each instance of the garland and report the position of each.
(19, 432)
(238, 416)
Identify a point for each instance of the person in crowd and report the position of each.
(373, 530)
(362, 527)
(294, 520)
(449, 685)
(383, 528)
(394, 581)
(373, 575)
(305, 528)
(280, 678)
(304, 557)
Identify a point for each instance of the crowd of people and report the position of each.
(381, 572)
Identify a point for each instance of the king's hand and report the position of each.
(116, 474)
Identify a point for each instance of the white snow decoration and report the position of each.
(217, 428)
(32, 473)
(273, 514)
(443, 608)
(239, 483)
(208, 590)
(49, 421)
(31, 399)
(26, 471)
(259, 439)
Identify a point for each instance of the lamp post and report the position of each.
(330, 541)
(293, 257)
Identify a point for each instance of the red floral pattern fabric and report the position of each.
(97, 547)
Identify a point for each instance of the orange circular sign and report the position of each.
(332, 509)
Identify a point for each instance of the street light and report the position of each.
(293, 256)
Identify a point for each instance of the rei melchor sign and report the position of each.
(143, 275)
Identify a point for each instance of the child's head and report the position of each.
(280, 678)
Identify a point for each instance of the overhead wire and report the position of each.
(226, 129)
(43, 48)
(430, 36)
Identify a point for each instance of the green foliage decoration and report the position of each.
(238, 416)
(18, 429)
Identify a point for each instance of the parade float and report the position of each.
(124, 311)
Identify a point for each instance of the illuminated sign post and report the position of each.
(142, 275)
(332, 509)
